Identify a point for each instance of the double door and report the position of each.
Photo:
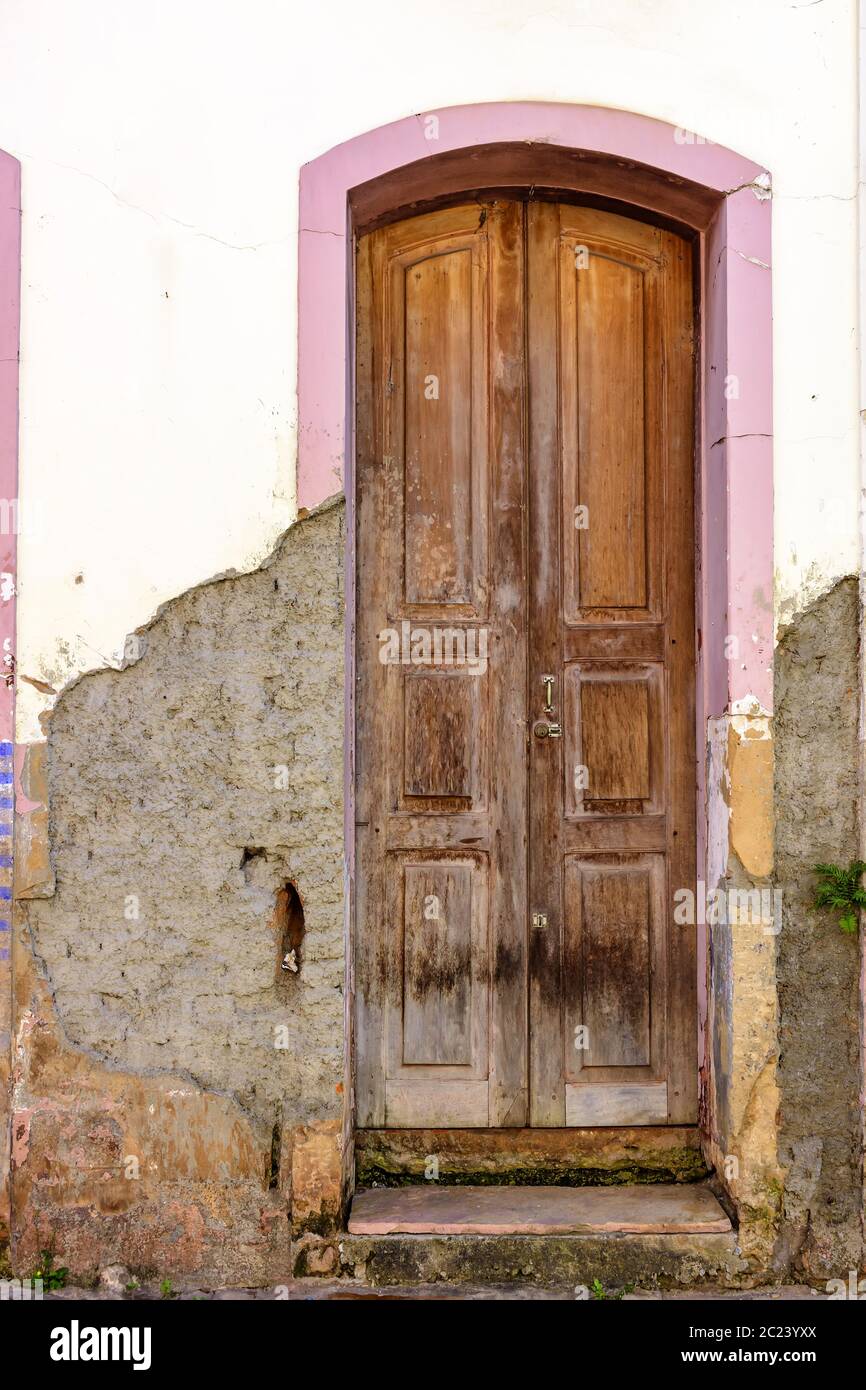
(525, 732)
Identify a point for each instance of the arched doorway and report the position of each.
(637, 167)
(525, 642)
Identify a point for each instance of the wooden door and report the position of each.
(441, 721)
(525, 765)
(612, 801)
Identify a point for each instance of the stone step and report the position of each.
(645, 1237)
(660, 1209)
(531, 1157)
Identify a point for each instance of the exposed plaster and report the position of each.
(187, 790)
(817, 811)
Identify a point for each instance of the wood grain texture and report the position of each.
(440, 953)
(437, 964)
(525, 477)
(615, 917)
(603, 362)
(546, 1042)
(550, 171)
(614, 721)
(612, 619)
(615, 968)
(439, 313)
(624, 1104)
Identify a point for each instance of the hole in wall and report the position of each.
(275, 1156)
(288, 924)
(248, 858)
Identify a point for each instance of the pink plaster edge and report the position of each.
(10, 283)
(740, 434)
(735, 463)
(323, 251)
(10, 279)
(10, 319)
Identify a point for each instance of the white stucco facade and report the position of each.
(160, 151)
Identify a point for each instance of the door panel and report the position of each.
(612, 802)
(441, 733)
(524, 528)
(613, 738)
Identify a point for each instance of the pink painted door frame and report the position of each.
(724, 199)
(10, 280)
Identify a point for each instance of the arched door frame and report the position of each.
(615, 159)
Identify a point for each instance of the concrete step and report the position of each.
(647, 1237)
(661, 1209)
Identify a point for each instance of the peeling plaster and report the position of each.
(162, 790)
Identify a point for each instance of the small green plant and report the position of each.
(597, 1290)
(52, 1277)
(842, 891)
(132, 1285)
(165, 1289)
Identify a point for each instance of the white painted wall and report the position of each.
(160, 146)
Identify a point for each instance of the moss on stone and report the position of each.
(677, 1165)
(667, 1261)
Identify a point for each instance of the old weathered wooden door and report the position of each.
(525, 742)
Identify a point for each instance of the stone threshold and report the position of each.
(531, 1157)
(657, 1209)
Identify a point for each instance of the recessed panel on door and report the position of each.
(525, 647)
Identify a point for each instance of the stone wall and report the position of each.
(817, 821)
(180, 1077)
(180, 987)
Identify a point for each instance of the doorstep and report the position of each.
(530, 1157)
(660, 1209)
(642, 1236)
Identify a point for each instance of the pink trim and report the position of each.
(735, 560)
(10, 276)
(738, 454)
(324, 189)
(738, 562)
(10, 281)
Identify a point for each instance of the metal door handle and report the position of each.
(547, 682)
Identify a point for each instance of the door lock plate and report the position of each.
(539, 920)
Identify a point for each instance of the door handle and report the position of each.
(547, 682)
(544, 730)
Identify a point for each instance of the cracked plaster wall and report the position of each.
(185, 792)
(784, 1108)
(158, 415)
(158, 410)
(817, 821)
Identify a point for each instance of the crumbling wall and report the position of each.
(195, 930)
(742, 1102)
(816, 797)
